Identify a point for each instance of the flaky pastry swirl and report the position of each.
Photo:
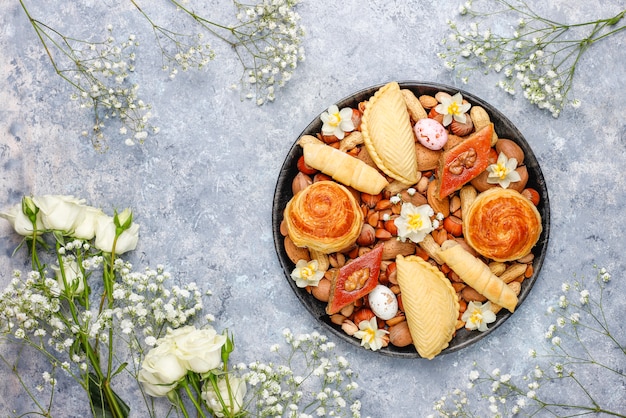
(324, 217)
(502, 225)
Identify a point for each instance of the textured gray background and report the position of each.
(202, 189)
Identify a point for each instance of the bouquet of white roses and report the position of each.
(80, 294)
(81, 300)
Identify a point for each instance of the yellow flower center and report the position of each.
(307, 272)
(501, 171)
(453, 109)
(476, 317)
(370, 335)
(335, 119)
(415, 221)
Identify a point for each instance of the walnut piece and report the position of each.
(357, 279)
(465, 160)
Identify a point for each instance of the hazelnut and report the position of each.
(510, 149)
(399, 334)
(321, 292)
(520, 185)
(367, 236)
(480, 182)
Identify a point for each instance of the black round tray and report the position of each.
(505, 129)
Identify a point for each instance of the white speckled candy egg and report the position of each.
(431, 133)
(383, 302)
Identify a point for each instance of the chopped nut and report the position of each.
(465, 160)
(357, 279)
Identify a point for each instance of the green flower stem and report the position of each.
(194, 397)
(24, 386)
(44, 32)
(207, 24)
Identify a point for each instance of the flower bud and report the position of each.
(30, 209)
(123, 220)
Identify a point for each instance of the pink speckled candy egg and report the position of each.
(431, 133)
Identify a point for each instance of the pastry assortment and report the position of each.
(416, 214)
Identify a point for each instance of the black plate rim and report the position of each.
(504, 127)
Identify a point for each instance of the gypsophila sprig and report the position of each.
(267, 40)
(308, 379)
(562, 382)
(179, 50)
(540, 56)
(99, 73)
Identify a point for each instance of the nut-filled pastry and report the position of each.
(430, 304)
(502, 225)
(324, 217)
(388, 134)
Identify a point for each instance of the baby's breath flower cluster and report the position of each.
(577, 339)
(179, 50)
(267, 40)
(540, 56)
(308, 380)
(269, 45)
(99, 73)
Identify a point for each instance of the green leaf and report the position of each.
(120, 369)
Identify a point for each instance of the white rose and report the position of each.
(86, 226)
(200, 350)
(105, 234)
(238, 389)
(161, 370)
(60, 213)
(20, 222)
(72, 275)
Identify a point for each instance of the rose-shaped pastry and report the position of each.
(324, 217)
(502, 225)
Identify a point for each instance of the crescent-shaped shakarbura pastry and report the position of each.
(388, 134)
(476, 274)
(430, 304)
(502, 224)
(343, 167)
(324, 217)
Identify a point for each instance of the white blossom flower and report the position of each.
(478, 315)
(336, 122)
(503, 171)
(452, 108)
(370, 335)
(414, 222)
(307, 273)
